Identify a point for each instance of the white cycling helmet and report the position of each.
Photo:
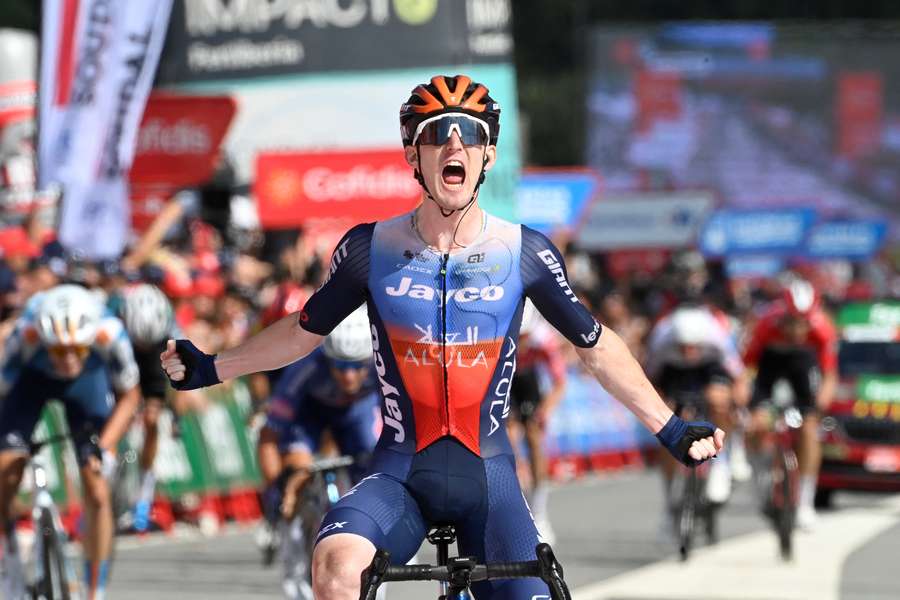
(351, 340)
(147, 314)
(690, 326)
(68, 315)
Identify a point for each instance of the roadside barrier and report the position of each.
(208, 474)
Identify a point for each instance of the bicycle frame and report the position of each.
(44, 510)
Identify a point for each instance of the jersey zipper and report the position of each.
(444, 338)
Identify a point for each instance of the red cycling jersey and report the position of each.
(822, 337)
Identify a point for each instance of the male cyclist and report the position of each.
(66, 347)
(694, 365)
(795, 341)
(539, 355)
(445, 285)
(332, 389)
(149, 321)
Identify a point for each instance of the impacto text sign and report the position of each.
(294, 187)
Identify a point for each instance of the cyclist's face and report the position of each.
(690, 353)
(68, 361)
(451, 170)
(349, 380)
(795, 330)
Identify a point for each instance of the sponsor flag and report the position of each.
(98, 60)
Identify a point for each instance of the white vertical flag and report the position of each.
(98, 59)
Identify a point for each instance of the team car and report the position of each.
(861, 430)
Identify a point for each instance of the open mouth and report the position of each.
(453, 173)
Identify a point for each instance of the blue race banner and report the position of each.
(549, 199)
(776, 231)
(753, 266)
(848, 239)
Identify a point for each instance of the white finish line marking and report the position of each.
(748, 567)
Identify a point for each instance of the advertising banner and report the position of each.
(179, 137)
(18, 66)
(98, 60)
(860, 99)
(782, 231)
(549, 199)
(219, 39)
(854, 240)
(643, 220)
(293, 187)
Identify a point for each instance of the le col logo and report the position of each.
(490, 293)
(591, 337)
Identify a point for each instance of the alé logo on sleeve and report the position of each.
(406, 287)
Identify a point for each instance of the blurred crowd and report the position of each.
(227, 278)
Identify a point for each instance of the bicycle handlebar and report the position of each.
(35, 446)
(327, 464)
(463, 571)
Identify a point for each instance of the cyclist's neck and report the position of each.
(446, 234)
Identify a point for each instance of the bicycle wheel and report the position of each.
(687, 515)
(784, 500)
(54, 581)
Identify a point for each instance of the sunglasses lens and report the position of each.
(62, 351)
(437, 133)
(348, 365)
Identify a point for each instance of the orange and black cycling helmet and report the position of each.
(444, 94)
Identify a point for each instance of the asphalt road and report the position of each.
(609, 543)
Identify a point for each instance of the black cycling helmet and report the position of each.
(445, 94)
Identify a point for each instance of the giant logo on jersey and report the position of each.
(549, 259)
(490, 293)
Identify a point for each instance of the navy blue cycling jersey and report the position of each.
(445, 326)
(307, 400)
(445, 332)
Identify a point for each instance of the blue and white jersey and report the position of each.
(111, 350)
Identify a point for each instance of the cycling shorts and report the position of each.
(88, 401)
(798, 367)
(525, 394)
(154, 383)
(446, 484)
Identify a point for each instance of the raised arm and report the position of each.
(290, 338)
(279, 344)
(605, 355)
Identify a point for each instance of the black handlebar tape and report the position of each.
(514, 570)
(415, 573)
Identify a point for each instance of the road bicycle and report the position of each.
(689, 503)
(53, 574)
(295, 538)
(456, 574)
(781, 483)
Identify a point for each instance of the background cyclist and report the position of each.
(795, 341)
(67, 347)
(692, 362)
(149, 321)
(440, 354)
(532, 403)
(332, 389)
